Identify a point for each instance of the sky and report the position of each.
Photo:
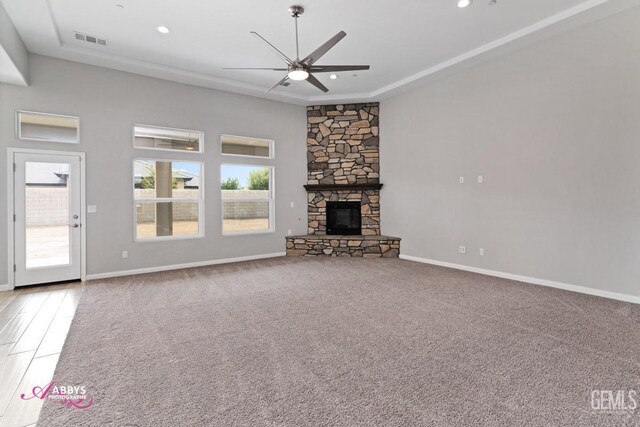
(235, 171)
(228, 171)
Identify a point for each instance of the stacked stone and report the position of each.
(344, 246)
(342, 144)
(369, 209)
(343, 149)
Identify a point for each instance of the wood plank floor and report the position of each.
(34, 323)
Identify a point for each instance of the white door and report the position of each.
(47, 218)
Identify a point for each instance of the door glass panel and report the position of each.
(47, 214)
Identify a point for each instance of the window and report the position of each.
(247, 199)
(47, 127)
(246, 146)
(168, 199)
(159, 138)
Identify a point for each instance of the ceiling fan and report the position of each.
(303, 69)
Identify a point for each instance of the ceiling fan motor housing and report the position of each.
(296, 10)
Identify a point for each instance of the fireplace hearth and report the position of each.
(343, 218)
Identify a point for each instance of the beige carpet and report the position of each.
(343, 342)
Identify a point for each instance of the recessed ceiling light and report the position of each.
(464, 3)
(163, 29)
(333, 76)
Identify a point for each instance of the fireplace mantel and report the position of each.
(342, 187)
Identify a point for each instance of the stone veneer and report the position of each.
(354, 246)
(342, 144)
(343, 150)
(369, 209)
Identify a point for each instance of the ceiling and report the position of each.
(404, 42)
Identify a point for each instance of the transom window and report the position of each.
(246, 146)
(47, 127)
(160, 138)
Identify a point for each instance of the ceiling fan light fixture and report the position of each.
(464, 3)
(298, 74)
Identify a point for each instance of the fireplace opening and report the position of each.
(343, 218)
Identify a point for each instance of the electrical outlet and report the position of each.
(462, 249)
(481, 251)
(292, 204)
(125, 254)
(480, 179)
(289, 232)
(461, 180)
(92, 209)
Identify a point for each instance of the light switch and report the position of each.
(92, 209)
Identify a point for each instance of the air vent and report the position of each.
(90, 39)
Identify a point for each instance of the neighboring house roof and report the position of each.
(142, 168)
(46, 174)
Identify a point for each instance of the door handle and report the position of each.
(75, 225)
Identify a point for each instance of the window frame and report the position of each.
(200, 201)
(200, 149)
(271, 200)
(272, 148)
(18, 129)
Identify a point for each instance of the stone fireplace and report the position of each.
(343, 170)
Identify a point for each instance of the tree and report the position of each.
(230, 184)
(149, 181)
(259, 179)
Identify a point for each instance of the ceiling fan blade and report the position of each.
(280, 54)
(284, 79)
(317, 54)
(331, 68)
(251, 68)
(317, 83)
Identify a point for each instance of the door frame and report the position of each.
(11, 203)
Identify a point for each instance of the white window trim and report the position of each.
(271, 200)
(200, 201)
(200, 149)
(272, 148)
(18, 129)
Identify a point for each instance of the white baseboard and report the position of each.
(180, 266)
(526, 279)
(6, 288)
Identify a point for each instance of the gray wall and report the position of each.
(108, 103)
(555, 130)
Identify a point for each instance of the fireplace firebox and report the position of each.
(343, 218)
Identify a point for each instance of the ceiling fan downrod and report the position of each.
(295, 11)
